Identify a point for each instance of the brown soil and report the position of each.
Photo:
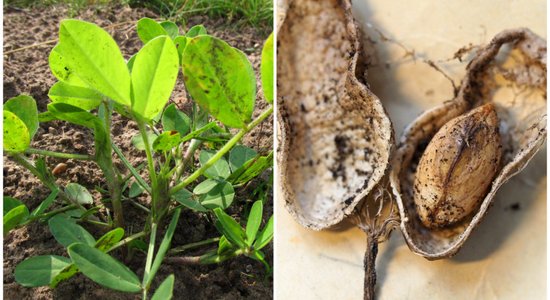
(27, 72)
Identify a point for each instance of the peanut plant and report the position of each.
(94, 83)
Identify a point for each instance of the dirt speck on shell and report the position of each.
(28, 72)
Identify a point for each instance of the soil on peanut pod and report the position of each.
(27, 72)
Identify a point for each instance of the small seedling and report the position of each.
(94, 82)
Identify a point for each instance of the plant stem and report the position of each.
(49, 214)
(127, 240)
(138, 205)
(131, 168)
(98, 223)
(104, 159)
(149, 261)
(59, 154)
(370, 267)
(232, 142)
(193, 146)
(183, 260)
(208, 258)
(198, 132)
(150, 161)
(183, 248)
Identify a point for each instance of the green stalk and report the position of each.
(136, 204)
(104, 159)
(49, 214)
(127, 240)
(149, 261)
(183, 248)
(98, 223)
(232, 142)
(193, 146)
(205, 259)
(198, 132)
(131, 168)
(150, 161)
(59, 154)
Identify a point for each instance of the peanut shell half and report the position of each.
(522, 127)
(335, 135)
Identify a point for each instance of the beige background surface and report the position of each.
(505, 258)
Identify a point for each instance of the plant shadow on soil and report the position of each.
(28, 72)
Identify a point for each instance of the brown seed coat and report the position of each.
(457, 167)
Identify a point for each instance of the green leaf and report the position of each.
(171, 29)
(78, 193)
(82, 97)
(219, 169)
(230, 228)
(104, 269)
(224, 246)
(138, 244)
(163, 248)
(180, 42)
(266, 69)
(61, 72)
(265, 236)
(165, 289)
(91, 53)
(46, 203)
(239, 155)
(135, 190)
(254, 222)
(174, 119)
(153, 77)
(221, 196)
(166, 141)
(130, 62)
(196, 31)
(40, 270)
(109, 239)
(46, 116)
(14, 217)
(205, 186)
(10, 203)
(24, 107)
(68, 272)
(251, 169)
(138, 142)
(220, 79)
(187, 199)
(16, 135)
(149, 29)
(73, 114)
(67, 232)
